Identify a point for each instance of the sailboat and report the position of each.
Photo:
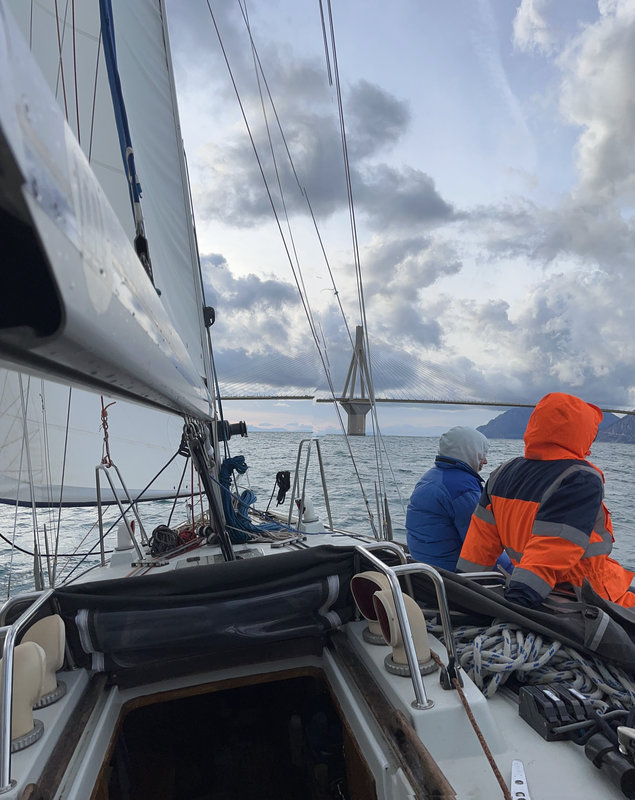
(231, 657)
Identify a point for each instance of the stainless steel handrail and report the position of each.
(133, 539)
(421, 700)
(17, 599)
(296, 481)
(6, 686)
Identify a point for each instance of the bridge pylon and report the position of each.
(357, 407)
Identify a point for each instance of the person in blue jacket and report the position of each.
(443, 500)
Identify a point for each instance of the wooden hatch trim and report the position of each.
(424, 774)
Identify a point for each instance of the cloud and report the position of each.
(409, 262)
(597, 97)
(505, 300)
(399, 197)
(531, 27)
(228, 181)
(230, 187)
(377, 119)
(567, 334)
(244, 293)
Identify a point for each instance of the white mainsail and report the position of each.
(46, 459)
(106, 326)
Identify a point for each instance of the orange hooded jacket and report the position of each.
(547, 511)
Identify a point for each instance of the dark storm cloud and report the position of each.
(400, 197)
(410, 323)
(267, 372)
(229, 186)
(376, 118)
(245, 293)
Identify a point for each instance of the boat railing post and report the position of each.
(133, 507)
(398, 551)
(452, 670)
(296, 481)
(421, 700)
(6, 687)
(393, 574)
(304, 480)
(18, 599)
(323, 479)
(133, 538)
(100, 517)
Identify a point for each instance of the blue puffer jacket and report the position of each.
(440, 510)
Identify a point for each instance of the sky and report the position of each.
(492, 173)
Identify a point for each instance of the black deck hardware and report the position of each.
(547, 708)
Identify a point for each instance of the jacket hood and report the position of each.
(561, 426)
(464, 444)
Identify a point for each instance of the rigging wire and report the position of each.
(326, 46)
(378, 449)
(59, 512)
(27, 450)
(357, 261)
(303, 298)
(16, 508)
(48, 475)
(79, 137)
(119, 517)
(60, 46)
(92, 112)
(275, 166)
(301, 188)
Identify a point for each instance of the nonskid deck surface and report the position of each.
(446, 732)
(124, 564)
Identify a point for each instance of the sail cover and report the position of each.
(227, 609)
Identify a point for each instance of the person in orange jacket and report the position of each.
(547, 511)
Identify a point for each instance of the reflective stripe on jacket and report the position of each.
(547, 512)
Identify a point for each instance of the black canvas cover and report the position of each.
(222, 608)
(244, 605)
(586, 621)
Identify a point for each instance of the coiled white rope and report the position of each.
(491, 655)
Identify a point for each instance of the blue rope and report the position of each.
(238, 522)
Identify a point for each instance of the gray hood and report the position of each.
(464, 444)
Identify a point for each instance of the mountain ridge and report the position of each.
(511, 424)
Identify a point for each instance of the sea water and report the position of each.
(389, 467)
